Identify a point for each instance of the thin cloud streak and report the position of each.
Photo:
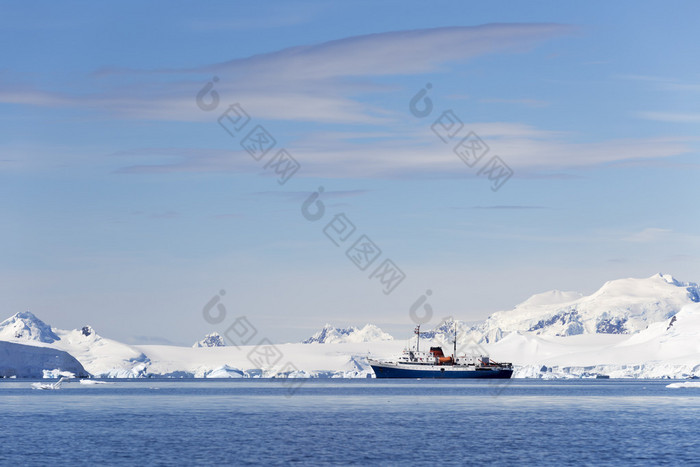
(506, 207)
(316, 82)
(527, 102)
(418, 158)
(297, 196)
(671, 117)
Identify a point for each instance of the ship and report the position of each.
(414, 363)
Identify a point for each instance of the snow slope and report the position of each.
(102, 357)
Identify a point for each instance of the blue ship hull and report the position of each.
(392, 372)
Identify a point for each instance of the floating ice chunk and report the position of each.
(91, 382)
(49, 386)
(686, 384)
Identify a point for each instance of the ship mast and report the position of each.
(454, 352)
(417, 331)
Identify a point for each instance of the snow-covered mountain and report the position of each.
(333, 335)
(669, 348)
(621, 306)
(211, 340)
(24, 326)
(628, 328)
(98, 355)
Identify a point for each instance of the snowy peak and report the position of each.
(333, 335)
(553, 297)
(24, 326)
(211, 340)
(668, 278)
(663, 284)
(620, 306)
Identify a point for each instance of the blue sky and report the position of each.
(128, 207)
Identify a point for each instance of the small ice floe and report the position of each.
(91, 382)
(685, 384)
(50, 386)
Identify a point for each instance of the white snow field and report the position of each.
(643, 328)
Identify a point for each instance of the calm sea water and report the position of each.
(428, 422)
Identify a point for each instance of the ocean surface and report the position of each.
(361, 422)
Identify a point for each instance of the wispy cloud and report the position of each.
(527, 102)
(157, 215)
(168, 160)
(536, 154)
(619, 260)
(297, 196)
(672, 117)
(662, 82)
(649, 78)
(325, 83)
(649, 234)
(499, 207)
(319, 82)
